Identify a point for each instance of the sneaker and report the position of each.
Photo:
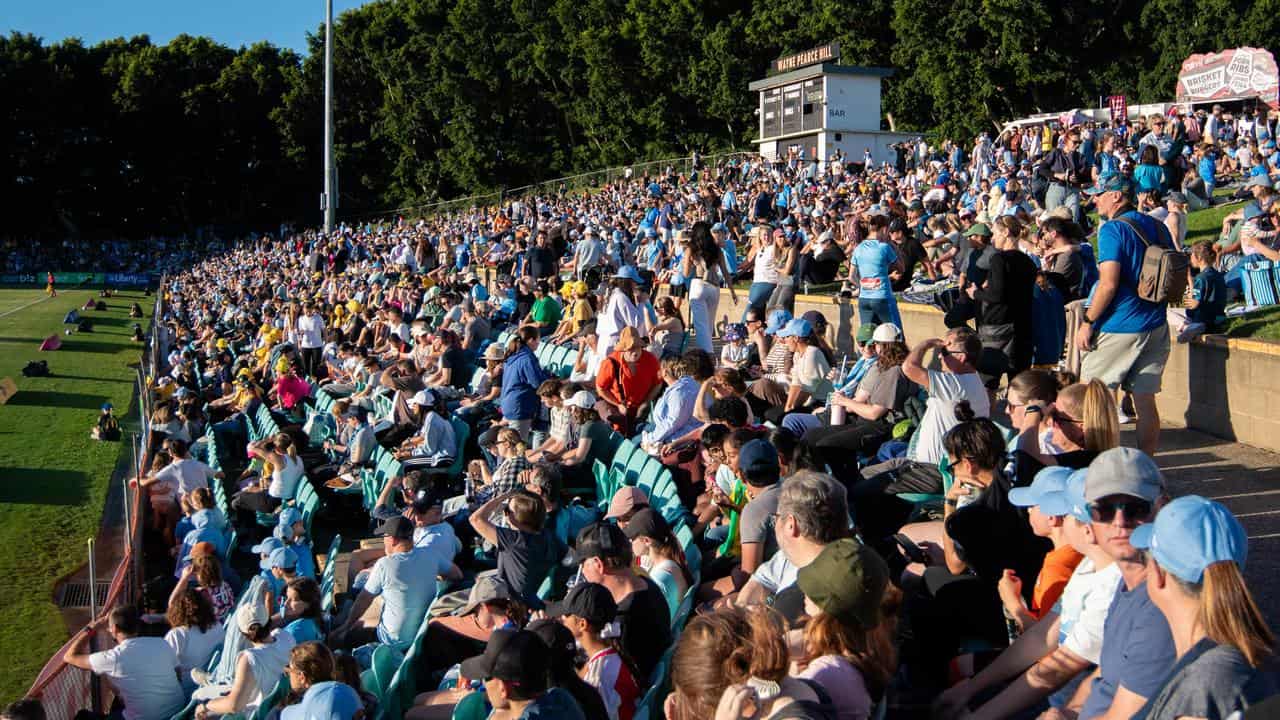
(200, 677)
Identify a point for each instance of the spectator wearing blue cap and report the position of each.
(804, 386)
(1059, 564)
(1196, 551)
(292, 531)
(1124, 337)
(720, 232)
(1057, 652)
(283, 566)
(275, 588)
(310, 670)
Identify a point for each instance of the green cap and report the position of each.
(865, 332)
(847, 580)
(978, 229)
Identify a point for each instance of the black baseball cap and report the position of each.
(518, 657)
(602, 540)
(425, 499)
(647, 523)
(398, 527)
(590, 601)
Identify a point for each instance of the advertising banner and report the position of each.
(76, 278)
(1119, 106)
(1240, 73)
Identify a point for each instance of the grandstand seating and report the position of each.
(629, 465)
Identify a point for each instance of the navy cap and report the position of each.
(758, 460)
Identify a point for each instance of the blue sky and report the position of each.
(232, 22)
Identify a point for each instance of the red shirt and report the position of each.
(631, 386)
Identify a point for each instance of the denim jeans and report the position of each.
(757, 297)
(876, 311)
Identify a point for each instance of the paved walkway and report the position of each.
(1246, 480)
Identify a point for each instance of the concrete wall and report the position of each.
(1228, 388)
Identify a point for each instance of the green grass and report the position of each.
(53, 477)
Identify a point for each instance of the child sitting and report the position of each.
(737, 351)
(1206, 300)
(107, 427)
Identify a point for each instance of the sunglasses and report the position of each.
(1133, 508)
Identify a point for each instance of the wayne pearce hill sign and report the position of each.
(821, 54)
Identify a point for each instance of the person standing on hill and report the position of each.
(1126, 338)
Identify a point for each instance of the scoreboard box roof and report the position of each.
(811, 71)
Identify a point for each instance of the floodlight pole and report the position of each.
(329, 200)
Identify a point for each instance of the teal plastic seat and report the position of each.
(472, 707)
(263, 711)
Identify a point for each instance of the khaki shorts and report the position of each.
(1131, 361)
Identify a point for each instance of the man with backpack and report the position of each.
(1124, 332)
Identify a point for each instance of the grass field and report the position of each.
(53, 477)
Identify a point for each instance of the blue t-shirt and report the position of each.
(1119, 243)
(304, 630)
(1148, 178)
(1211, 290)
(874, 258)
(1137, 650)
(1207, 169)
(407, 583)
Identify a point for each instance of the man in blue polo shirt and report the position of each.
(1125, 338)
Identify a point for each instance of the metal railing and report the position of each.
(65, 689)
(592, 180)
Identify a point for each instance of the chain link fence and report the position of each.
(64, 689)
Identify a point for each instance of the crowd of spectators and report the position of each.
(931, 523)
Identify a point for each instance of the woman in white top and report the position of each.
(621, 311)
(286, 472)
(195, 633)
(258, 668)
(703, 262)
(764, 276)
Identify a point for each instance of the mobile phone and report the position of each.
(911, 550)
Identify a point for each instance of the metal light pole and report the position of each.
(329, 200)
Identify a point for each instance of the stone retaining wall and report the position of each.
(1237, 400)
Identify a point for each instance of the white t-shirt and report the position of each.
(1082, 615)
(809, 371)
(945, 390)
(310, 331)
(144, 672)
(194, 646)
(188, 474)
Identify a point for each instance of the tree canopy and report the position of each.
(441, 98)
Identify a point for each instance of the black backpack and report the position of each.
(85, 325)
(36, 368)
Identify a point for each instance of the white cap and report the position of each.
(886, 332)
(250, 614)
(423, 397)
(582, 399)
